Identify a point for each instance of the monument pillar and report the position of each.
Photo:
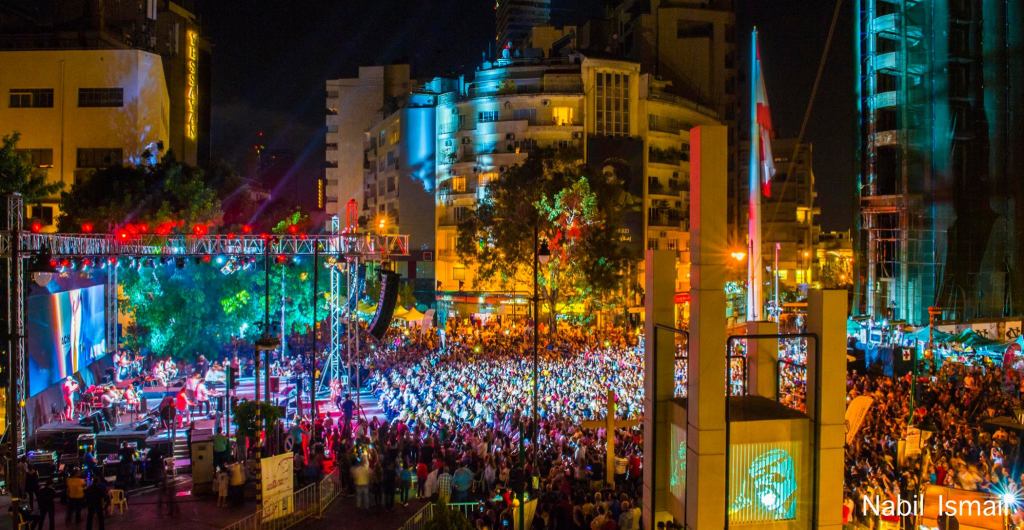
(762, 359)
(705, 434)
(659, 383)
(826, 401)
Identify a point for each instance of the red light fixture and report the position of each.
(87, 227)
(246, 229)
(293, 229)
(280, 258)
(200, 230)
(206, 258)
(36, 226)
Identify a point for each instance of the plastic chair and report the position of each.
(118, 500)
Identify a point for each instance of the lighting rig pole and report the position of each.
(264, 344)
(314, 376)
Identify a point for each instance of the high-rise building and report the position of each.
(600, 109)
(515, 18)
(353, 105)
(941, 216)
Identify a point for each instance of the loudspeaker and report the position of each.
(385, 304)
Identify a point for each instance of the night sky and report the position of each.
(270, 60)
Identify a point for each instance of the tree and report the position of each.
(576, 214)
(18, 175)
(167, 192)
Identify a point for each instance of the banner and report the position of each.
(276, 485)
(855, 412)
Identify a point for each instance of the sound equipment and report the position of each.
(96, 420)
(385, 304)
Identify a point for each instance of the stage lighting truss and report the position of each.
(239, 252)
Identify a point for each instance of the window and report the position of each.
(529, 115)
(562, 115)
(101, 97)
(331, 147)
(38, 157)
(98, 158)
(486, 116)
(612, 103)
(24, 98)
(459, 184)
(43, 213)
(652, 244)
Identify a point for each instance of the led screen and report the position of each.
(65, 334)
(677, 464)
(763, 484)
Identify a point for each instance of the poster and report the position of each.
(622, 158)
(276, 485)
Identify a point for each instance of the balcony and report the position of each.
(670, 157)
(883, 100)
(893, 25)
(668, 217)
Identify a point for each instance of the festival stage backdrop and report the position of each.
(65, 334)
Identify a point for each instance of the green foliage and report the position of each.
(168, 191)
(18, 175)
(578, 217)
(245, 417)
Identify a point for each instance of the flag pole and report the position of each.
(754, 262)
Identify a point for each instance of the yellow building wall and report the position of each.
(141, 121)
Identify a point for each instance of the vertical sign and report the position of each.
(276, 475)
(191, 84)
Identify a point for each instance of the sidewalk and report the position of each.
(196, 512)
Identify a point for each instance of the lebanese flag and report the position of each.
(765, 132)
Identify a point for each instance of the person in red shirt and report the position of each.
(181, 404)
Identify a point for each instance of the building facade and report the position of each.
(941, 169)
(790, 228)
(82, 110)
(353, 105)
(599, 110)
(514, 20)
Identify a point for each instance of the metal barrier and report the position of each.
(310, 501)
(427, 513)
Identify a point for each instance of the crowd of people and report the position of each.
(960, 448)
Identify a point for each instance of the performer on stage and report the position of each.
(69, 387)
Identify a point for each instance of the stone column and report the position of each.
(659, 385)
(762, 359)
(826, 400)
(705, 436)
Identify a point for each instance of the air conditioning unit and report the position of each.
(545, 102)
(428, 256)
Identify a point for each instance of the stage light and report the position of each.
(86, 263)
(221, 260)
(293, 229)
(112, 260)
(36, 226)
(206, 258)
(87, 227)
(296, 259)
(142, 228)
(165, 260)
(246, 229)
(200, 230)
(179, 262)
(280, 258)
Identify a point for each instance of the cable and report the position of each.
(807, 110)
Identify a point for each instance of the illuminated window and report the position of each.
(484, 179)
(459, 184)
(562, 115)
(101, 97)
(459, 272)
(783, 274)
(487, 116)
(394, 136)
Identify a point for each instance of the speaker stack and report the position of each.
(385, 304)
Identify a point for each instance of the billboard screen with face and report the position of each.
(764, 482)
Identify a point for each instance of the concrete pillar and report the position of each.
(762, 359)
(826, 400)
(705, 435)
(659, 384)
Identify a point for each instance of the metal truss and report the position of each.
(345, 247)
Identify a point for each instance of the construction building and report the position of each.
(939, 85)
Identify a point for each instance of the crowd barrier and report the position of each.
(310, 501)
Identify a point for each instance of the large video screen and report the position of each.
(65, 334)
(764, 482)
